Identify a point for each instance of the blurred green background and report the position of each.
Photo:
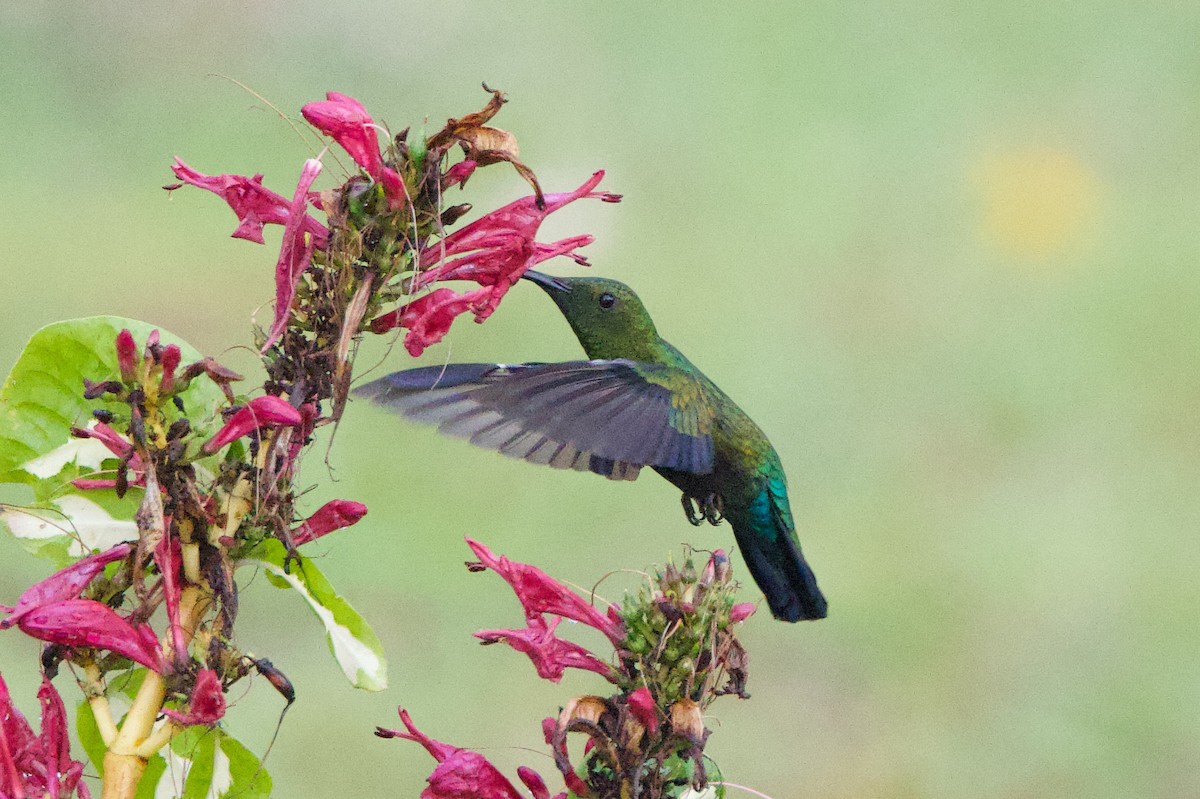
(946, 256)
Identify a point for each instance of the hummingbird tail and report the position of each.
(785, 579)
(768, 543)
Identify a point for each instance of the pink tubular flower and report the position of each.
(168, 558)
(458, 173)
(85, 623)
(37, 765)
(428, 318)
(118, 445)
(539, 593)
(493, 251)
(742, 611)
(550, 654)
(463, 774)
(333, 515)
(254, 204)
(171, 356)
(127, 355)
(295, 252)
(641, 704)
(346, 121)
(64, 584)
(260, 412)
(207, 704)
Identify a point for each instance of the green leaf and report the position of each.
(351, 640)
(89, 736)
(249, 779)
(195, 749)
(205, 763)
(151, 778)
(39, 403)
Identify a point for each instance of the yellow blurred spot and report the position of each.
(1037, 201)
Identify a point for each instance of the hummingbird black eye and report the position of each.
(607, 300)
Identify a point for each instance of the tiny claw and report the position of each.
(689, 510)
(714, 509)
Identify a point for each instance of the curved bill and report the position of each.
(547, 282)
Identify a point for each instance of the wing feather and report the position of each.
(609, 417)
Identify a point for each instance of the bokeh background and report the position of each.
(945, 254)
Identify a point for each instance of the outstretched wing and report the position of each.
(608, 417)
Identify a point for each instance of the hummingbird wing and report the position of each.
(608, 417)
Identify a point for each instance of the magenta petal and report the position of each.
(347, 122)
(37, 765)
(126, 355)
(439, 750)
(56, 745)
(460, 774)
(550, 655)
(295, 252)
(254, 204)
(540, 593)
(333, 515)
(742, 611)
(66, 583)
(168, 558)
(171, 356)
(468, 775)
(493, 251)
(641, 705)
(510, 228)
(116, 443)
(458, 173)
(207, 704)
(428, 318)
(82, 622)
(536, 785)
(16, 738)
(267, 411)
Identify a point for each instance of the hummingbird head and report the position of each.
(608, 318)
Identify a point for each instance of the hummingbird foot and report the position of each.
(694, 515)
(714, 509)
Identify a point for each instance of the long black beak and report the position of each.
(550, 284)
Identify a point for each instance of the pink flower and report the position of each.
(333, 515)
(540, 593)
(254, 204)
(493, 251)
(641, 705)
(295, 252)
(65, 583)
(207, 704)
(127, 356)
(458, 173)
(168, 557)
(260, 412)
(85, 623)
(428, 318)
(550, 654)
(118, 445)
(171, 356)
(463, 774)
(347, 122)
(717, 568)
(37, 765)
(742, 611)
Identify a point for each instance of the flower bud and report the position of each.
(127, 355)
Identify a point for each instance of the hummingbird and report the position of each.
(636, 402)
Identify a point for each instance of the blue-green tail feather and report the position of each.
(767, 539)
